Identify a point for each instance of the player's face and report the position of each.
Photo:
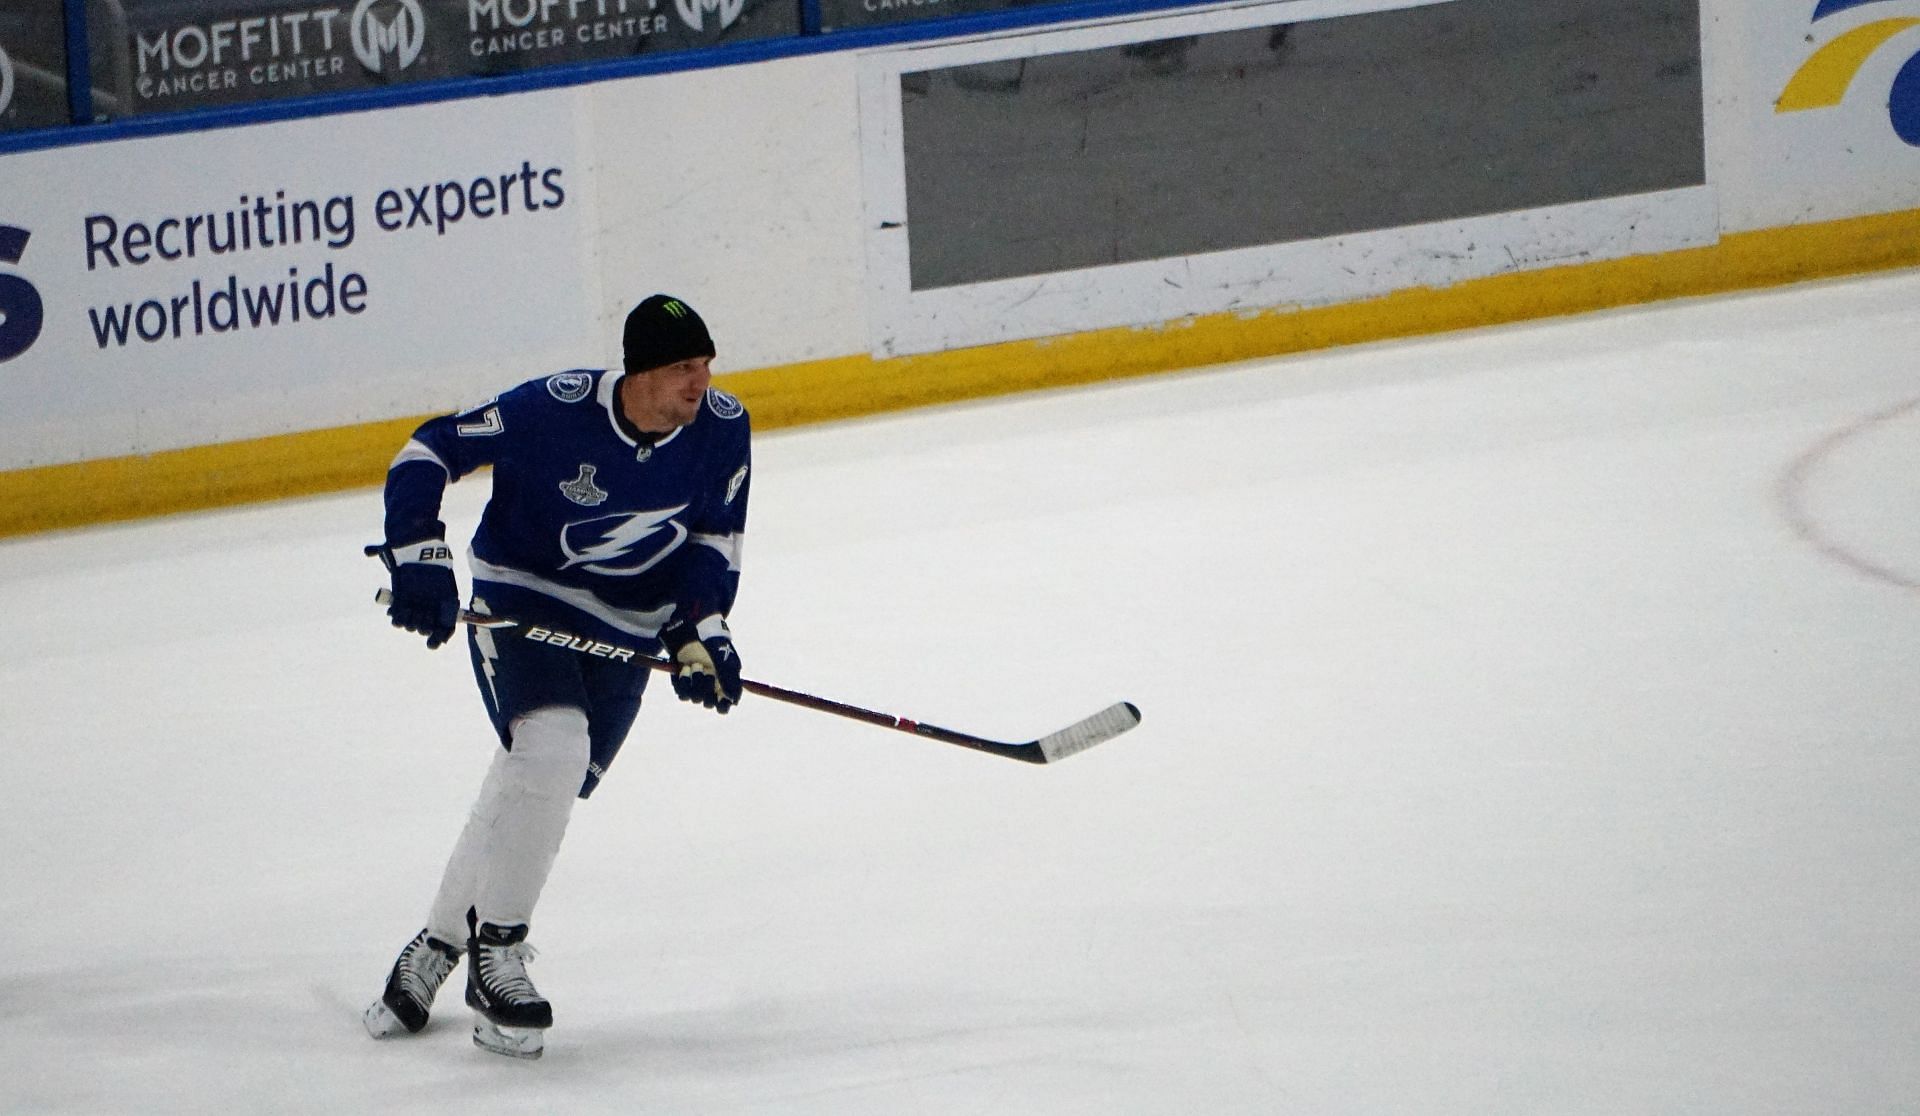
(660, 399)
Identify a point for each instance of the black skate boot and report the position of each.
(415, 980)
(511, 1013)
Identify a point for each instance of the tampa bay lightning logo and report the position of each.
(1823, 79)
(723, 405)
(569, 387)
(622, 544)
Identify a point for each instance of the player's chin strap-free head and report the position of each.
(663, 330)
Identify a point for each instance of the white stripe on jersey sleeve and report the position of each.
(729, 547)
(415, 450)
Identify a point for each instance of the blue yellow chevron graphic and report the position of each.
(1823, 79)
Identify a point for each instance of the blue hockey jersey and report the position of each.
(592, 527)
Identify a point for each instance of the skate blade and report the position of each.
(381, 1022)
(513, 1042)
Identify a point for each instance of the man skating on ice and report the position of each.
(614, 530)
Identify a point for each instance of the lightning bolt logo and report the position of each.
(489, 654)
(614, 538)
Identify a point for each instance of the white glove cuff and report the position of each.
(713, 627)
(427, 552)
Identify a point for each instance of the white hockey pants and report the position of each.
(501, 861)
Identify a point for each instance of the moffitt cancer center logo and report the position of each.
(690, 12)
(401, 34)
(310, 46)
(1822, 81)
(519, 27)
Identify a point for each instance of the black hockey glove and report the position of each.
(709, 667)
(425, 597)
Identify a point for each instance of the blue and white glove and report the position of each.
(426, 599)
(709, 667)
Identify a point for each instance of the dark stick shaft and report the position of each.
(1029, 751)
(872, 717)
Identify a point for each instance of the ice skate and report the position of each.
(415, 980)
(510, 1015)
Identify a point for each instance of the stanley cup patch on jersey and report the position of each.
(581, 489)
(624, 543)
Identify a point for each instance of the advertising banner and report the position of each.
(220, 285)
(33, 65)
(1831, 125)
(169, 55)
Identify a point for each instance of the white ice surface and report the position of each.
(1532, 725)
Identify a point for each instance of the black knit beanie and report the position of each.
(663, 330)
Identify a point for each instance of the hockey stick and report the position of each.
(1051, 748)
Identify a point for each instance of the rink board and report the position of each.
(498, 238)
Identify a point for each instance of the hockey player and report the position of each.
(613, 531)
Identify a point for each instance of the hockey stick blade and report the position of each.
(1051, 748)
(1097, 729)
